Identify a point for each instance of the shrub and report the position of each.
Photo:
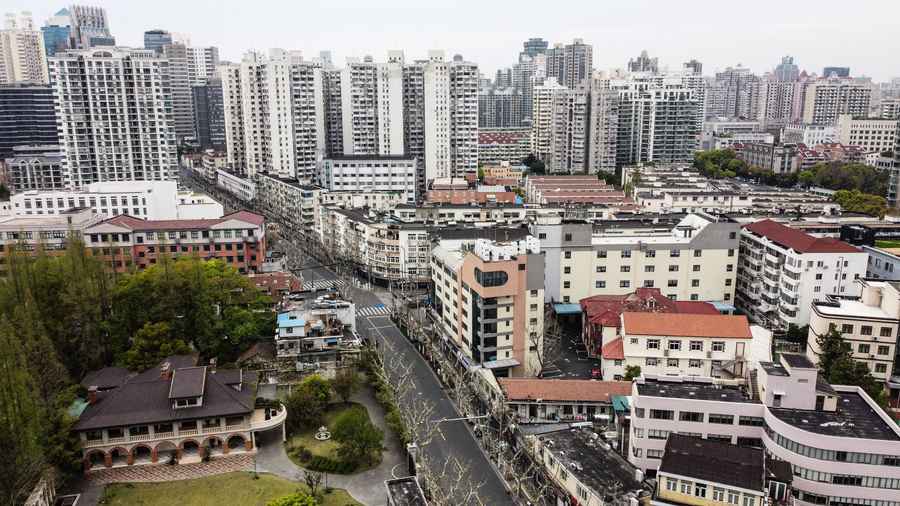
(328, 465)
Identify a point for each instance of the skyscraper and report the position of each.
(27, 117)
(499, 108)
(568, 132)
(156, 40)
(570, 64)
(836, 72)
(534, 46)
(57, 32)
(232, 105)
(741, 92)
(643, 63)
(209, 114)
(89, 27)
(97, 120)
(180, 64)
(825, 99)
(694, 67)
(542, 118)
(787, 70)
(203, 64)
(603, 126)
(23, 58)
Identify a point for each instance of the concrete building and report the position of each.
(370, 108)
(110, 149)
(561, 400)
(232, 108)
(643, 63)
(694, 258)
(570, 64)
(156, 40)
(870, 134)
(783, 271)
(57, 32)
(779, 158)
(826, 99)
(203, 64)
(126, 243)
(499, 145)
(319, 335)
(741, 92)
(27, 117)
(153, 200)
(489, 303)
(811, 135)
(36, 168)
(890, 108)
(23, 58)
(499, 108)
(209, 114)
(778, 100)
(568, 134)
(370, 173)
(542, 117)
(561, 190)
(254, 104)
(840, 444)
(603, 127)
(89, 27)
(836, 72)
(292, 203)
(379, 201)
(242, 187)
(49, 233)
(868, 324)
(787, 70)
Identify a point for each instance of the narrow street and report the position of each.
(457, 440)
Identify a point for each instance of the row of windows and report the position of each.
(675, 344)
(834, 455)
(698, 416)
(847, 479)
(700, 490)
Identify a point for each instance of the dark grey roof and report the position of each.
(853, 418)
(405, 492)
(693, 390)
(188, 382)
(774, 369)
(713, 461)
(106, 378)
(603, 470)
(144, 399)
(823, 386)
(229, 376)
(797, 361)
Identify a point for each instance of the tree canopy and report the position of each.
(838, 367)
(856, 201)
(307, 402)
(358, 437)
(295, 499)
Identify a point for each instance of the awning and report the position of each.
(567, 309)
(620, 404)
(501, 364)
(723, 307)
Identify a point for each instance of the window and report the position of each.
(567, 270)
(733, 496)
(651, 362)
(674, 344)
(567, 254)
(673, 268)
(649, 268)
(819, 276)
(638, 433)
(686, 487)
(601, 268)
(846, 329)
(881, 368)
(864, 348)
(675, 253)
(749, 500)
(652, 344)
(718, 346)
(657, 434)
(696, 268)
(625, 268)
(696, 345)
(690, 416)
(884, 350)
(648, 283)
(672, 283)
(695, 364)
(865, 330)
(601, 254)
(695, 283)
(582, 492)
(650, 253)
(567, 284)
(626, 253)
(698, 253)
(567, 237)
(639, 412)
(633, 340)
(886, 331)
(672, 362)
(599, 284)
(700, 489)
(752, 421)
(654, 454)
(624, 283)
(672, 484)
(729, 267)
(721, 419)
(718, 494)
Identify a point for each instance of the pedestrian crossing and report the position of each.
(324, 284)
(376, 310)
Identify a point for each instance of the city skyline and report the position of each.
(482, 33)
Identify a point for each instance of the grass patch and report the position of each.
(234, 489)
(887, 244)
(320, 452)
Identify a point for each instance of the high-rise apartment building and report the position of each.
(777, 101)
(111, 132)
(787, 70)
(89, 27)
(694, 67)
(156, 40)
(542, 119)
(180, 63)
(741, 92)
(827, 98)
(27, 117)
(499, 108)
(203, 64)
(57, 31)
(230, 77)
(872, 135)
(571, 64)
(644, 63)
(534, 46)
(568, 134)
(22, 54)
(530, 70)
(603, 127)
(254, 113)
(209, 114)
(836, 72)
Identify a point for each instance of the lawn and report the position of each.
(328, 448)
(234, 489)
(887, 244)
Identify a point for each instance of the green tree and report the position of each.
(151, 344)
(534, 164)
(806, 178)
(632, 372)
(359, 439)
(345, 383)
(481, 173)
(4, 192)
(838, 367)
(857, 202)
(295, 499)
(307, 403)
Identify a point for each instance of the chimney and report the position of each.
(92, 395)
(165, 371)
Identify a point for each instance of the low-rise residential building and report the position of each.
(320, 335)
(294, 205)
(884, 263)
(693, 257)
(868, 324)
(50, 234)
(497, 145)
(175, 413)
(153, 200)
(36, 168)
(276, 285)
(488, 302)
(783, 270)
(240, 186)
(393, 173)
(376, 200)
(706, 472)
(470, 197)
(447, 214)
(211, 161)
(779, 158)
(559, 190)
(843, 448)
(686, 344)
(126, 243)
(562, 400)
(810, 135)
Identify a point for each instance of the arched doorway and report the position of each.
(166, 453)
(96, 459)
(119, 457)
(141, 454)
(214, 446)
(190, 451)
(236, 443)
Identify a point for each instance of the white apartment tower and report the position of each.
(603, 125)
(180, 64)
(88, 26)
(827, 98)
(255, 113)
(542, 117)
(776, 101)
(437, 117)
(111, 132)
(230, 75)
(389, 86)
(204, 61)
(22, 54)
(568, 136)
(369, 96)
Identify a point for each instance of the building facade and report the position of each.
(209, 114)
(23, 58)
(371, 173)
(27, 117)
(826, 99)
(36, 168)
(870, 134)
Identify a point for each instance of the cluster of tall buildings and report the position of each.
(284, 113)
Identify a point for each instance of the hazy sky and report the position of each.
(862, 34)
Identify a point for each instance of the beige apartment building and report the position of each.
(873, 135)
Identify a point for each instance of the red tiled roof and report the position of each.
(133, 223)
(686, 325)
(614, 350)
(523, 389)
(508, 137)
(468, 196)
(605, 309)
(798, 240)
(695, 307)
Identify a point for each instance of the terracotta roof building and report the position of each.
(458, 197)
(545, 400)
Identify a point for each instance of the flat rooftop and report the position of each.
(853, 418)
(405, 492)
(841, 308)
(603, 470)
(705, 391)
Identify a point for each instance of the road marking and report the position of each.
(376, 310)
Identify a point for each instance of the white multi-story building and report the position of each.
(811, 135)
(97, 116)
(568, 135)
(827, 98)
(890, 108)
(603, 127)
(240, 186)
(783, 271)
(205, 61)
(489, 303)
(89, 27)
(371, 108)
(380, 201)
(370, 173)
(777, 101)
(868, 324)
(694, 258)
(150, 200)
(22, 54)
(181, 63)
(870, 134)
(542, 119)
(230, 76)
(254, 97)
(842, 447)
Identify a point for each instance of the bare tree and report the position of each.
(313, 480)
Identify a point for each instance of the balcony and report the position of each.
(261, 420)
